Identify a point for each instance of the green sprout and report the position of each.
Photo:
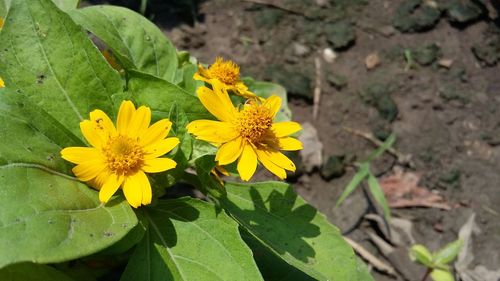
(364, 173)
(437, 262)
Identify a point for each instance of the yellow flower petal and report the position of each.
(88, 170)
(199, 77)
(156, 132)
(247, 163)
(157, 165)
(280, 160)
(2, 84)
(91, 135)
(289, 144)
(217, 102)
(125, 114)
(79, 155)
(101, 178)
(229, 152)
(102, 124)
(137, 189)
(109, 187)
(274, 104)
(159, 148)
(213, 131)
(268, 164)
(283, 129)
(139, 122)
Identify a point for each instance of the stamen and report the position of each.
(123, 155)
(254, 122)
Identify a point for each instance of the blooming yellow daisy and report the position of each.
(120, 157)
(227, 73)
(247, 134)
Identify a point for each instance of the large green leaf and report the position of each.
(47, 217)
(31, 272)
(48, 59)
(160, 95)
(274, 214)
(270, 265)
(136, 41)
(66, 5)
(188, 239)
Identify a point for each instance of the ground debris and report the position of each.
(402, 191)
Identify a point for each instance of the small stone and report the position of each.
(340, 34)
(329, 55)
(387, 30)
(333, 167)
(300, 49)
(337, 80)
(378, 95)
(450, 177)
(415, 16)
(463, 11)
(312, 153)
(387, 108)
(268, 17)
(427, 54)
(322, 3)
(372, 61)
(296, 83)
(446, 63)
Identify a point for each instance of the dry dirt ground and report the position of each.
(428, 88)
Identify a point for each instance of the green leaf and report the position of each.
(31, 272)
(448, 253)
(66, 5)
(135, 41)
(441, 275)
(160, 95)
(421, 254)
(188, 83)
(360, 175)
(47, 217)
(208, 184)
(30, 135)
(267, 89)
(293, 230)
(381, 149)
(48, 59)
(270, 265)
(189, 239)
(378, 194)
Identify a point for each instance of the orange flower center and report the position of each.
(226, 71)
(254, 122)
(123, 155)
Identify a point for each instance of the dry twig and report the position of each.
(317, 89)
(367, 256)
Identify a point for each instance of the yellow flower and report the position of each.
(227, 73)
(1, 22)
(120, 157)
(246, 134)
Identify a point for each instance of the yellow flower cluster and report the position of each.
(246, 134)
(121, 156)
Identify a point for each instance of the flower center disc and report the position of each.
(227, 72)
(254, 123)
(123, 155)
